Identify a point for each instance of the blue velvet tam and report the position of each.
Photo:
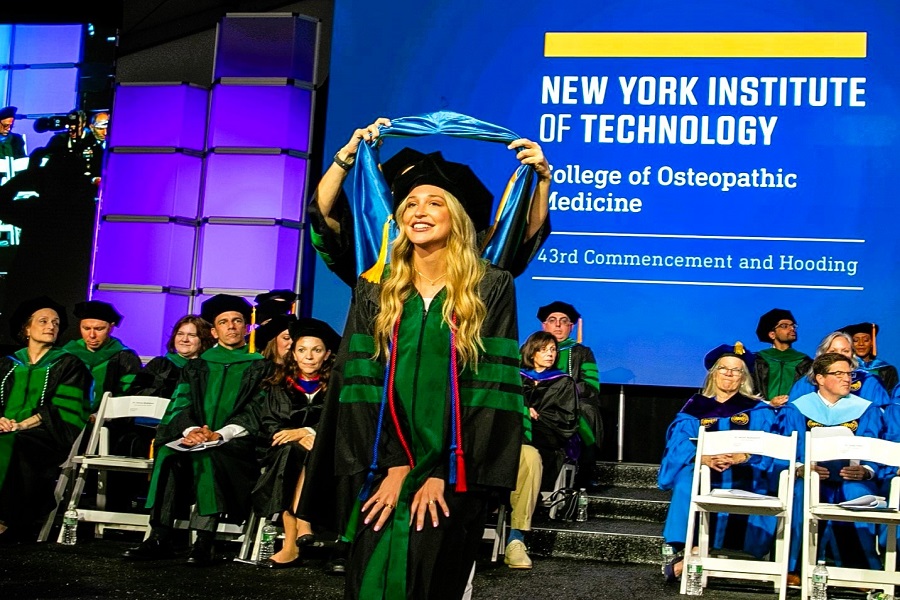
(737, 349)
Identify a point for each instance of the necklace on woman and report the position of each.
(430, 280)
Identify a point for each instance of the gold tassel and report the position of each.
(374, 273)
(252, 330)
(580, 321)
(739, 348)
(874, 349)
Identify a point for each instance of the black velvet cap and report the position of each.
(27, 308)
(851, 330)
(738, 350)
(560, 307)
(222, 303)
(768, 321)
(7, 112)
(272, 329)
(410, 168)
(273, 303)
(287, 296)
(309, 327)
(94, 309)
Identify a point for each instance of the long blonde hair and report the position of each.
(465, 270)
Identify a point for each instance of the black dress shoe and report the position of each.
(337, 566)
(150, 549)
(307, 539)
(271, 564)
(202, 554)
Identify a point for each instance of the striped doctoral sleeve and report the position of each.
(363, 376)
(497, 383)
(72, 403)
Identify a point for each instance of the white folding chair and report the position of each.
(62, 484)
(496, 534)
(705, 503)
(849, 447)
(96, 457)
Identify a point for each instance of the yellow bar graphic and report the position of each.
(836, 44)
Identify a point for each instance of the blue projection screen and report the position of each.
(711, 160)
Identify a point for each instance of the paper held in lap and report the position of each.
(177, 445)
(867, 502)
(742, 494)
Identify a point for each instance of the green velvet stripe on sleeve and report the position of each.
(70, 402)
(318, 243)
(126, 381)
(363, 376)
(181, 399)
(591, 377)
(497, 384)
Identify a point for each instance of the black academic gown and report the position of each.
(552, 394)
(57, 388)
(160, 376)
(219, 388)
(437, 560)
(284, 408)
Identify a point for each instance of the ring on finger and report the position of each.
(431, 502)
(390, 506)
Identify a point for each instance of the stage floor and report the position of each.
(93, 570)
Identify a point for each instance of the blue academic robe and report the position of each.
(865, 385)
(863, 418)
(676, 470)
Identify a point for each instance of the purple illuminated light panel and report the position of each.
(260, 117)
(266, 46)
(241, 185)
(262, 257)
(144, 254)
(152, 184)
(136, 116)
(148, 318)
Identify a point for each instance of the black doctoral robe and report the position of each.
(284, 408)
(219, 388)
(160, 376)
(553, 395)
(57, 388)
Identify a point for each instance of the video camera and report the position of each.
(59, 122)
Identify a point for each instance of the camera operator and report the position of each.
(74, 152)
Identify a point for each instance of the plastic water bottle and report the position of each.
(70, 527)
(667, 553)
(581, 514)
(820, 582)
(267, 542)
(694, 574)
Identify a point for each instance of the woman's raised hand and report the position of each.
(368, 134)
(530, 153)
